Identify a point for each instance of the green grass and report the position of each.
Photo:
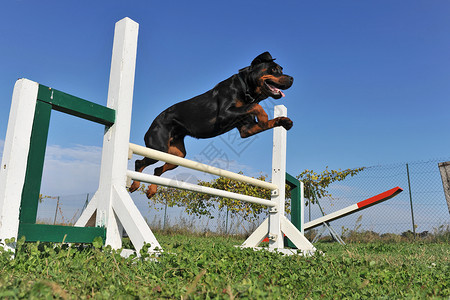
(211, 267)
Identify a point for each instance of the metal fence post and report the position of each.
(410, 200)
(85, 203)
(226, 223)
(309, 204)
(56, 211)
(165, 216)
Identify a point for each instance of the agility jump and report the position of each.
(112, 209)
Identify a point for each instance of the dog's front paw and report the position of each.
(285, 122)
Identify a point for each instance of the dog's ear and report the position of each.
(262, 58)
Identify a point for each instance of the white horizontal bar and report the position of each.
(195, 188)
(333, 216)
(155, 154)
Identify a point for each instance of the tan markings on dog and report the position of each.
(151, 190)
(238, 103)
(177, 149)
(136, 184)
(263, 122)
(269, 77)
(259, 113)
(247, 131)
(257, 128)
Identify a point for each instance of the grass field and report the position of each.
(200, 267)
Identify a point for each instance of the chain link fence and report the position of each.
(420, 208)
(65, 210)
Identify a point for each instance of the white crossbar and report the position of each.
(196, 188)
(172, 159)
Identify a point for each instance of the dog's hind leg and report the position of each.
(139, 166)
(157, 137)
(176, 147)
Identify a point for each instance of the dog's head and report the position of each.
(265, 78)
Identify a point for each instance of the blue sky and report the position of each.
(371, 77)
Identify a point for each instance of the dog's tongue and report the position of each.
(276, 90)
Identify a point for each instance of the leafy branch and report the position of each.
(316, 184)
(199, 204)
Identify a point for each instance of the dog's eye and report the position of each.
(274, 70)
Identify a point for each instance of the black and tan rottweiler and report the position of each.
(233, 103)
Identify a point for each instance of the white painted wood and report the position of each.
(196, 188)
(276, 239)
(304, 246)
(295, 235)
(116, 210)
(176, 160)
(302, 207)
(132, 220)
(258, 235)
(88, 212)
(333, 216)
(444, 169)
(115, 141)
(15, 156)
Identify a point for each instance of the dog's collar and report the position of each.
(245, 88)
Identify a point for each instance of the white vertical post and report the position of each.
(116, 138)
(15, 156)
(276, 239)
(302, 207)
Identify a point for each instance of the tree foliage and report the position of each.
(316, 184)
(199, 204)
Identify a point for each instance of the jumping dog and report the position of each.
(233, 103)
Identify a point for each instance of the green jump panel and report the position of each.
(58, 233)
(35, 165)
(50, 99)
(75, 106)
(296, 212)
